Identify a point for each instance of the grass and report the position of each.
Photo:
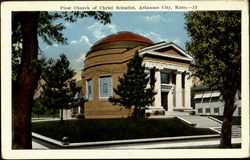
(235, 120)
(90, 130)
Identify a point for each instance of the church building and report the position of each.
(106, 61)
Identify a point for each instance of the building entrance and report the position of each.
(164, 100)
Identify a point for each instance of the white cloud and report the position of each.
(154, 18)
(81, 58)
(152, 35)
(177, 40)
(74, 41)
(55, 45)
(85, 39)
(99, 30)
(47, 47)
(68, 25)
(82, 39)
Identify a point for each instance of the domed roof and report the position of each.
(124, 36)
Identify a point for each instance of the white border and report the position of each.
(7, 152)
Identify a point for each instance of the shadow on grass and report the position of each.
(90, 130)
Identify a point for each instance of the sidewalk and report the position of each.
(36, 145)
(50, 119)
(155, 145)
(175, 144)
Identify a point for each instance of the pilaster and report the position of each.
(178, 90)
(187, 91)
(158, 89)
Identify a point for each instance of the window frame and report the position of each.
(208, 109)
(169, 77)
(216, 109)
(200, 110)
(110, 85)
(87, 89)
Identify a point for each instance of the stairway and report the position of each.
(236, 131)
(200, 121)
(170, 114)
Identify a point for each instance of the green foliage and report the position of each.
(115, 129)
(39, 110)
(216, 47)
(132, 89)
(48, 30)
(16, 59)
(58, 92)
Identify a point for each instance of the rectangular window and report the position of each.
(215, 99)
(207, 110)
(165, 78)
(105, 87)
(200, 110)
(216, 110)
(206, 100)
(198, 100)
(90, 89)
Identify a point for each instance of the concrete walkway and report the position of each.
(181, 144)
(203, 143)
(36, 145)
(50, 119)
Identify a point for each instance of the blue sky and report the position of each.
(157, 26)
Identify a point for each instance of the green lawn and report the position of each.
(235, 120)
(90, 130)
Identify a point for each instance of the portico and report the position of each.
(172, 77)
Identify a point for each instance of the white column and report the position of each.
(170, 100)
(178, 90)
(79, 109)
(187, 92)
(158, 89)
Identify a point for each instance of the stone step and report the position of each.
(175, 113)
(201, 122)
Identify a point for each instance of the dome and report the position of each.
(124, 36)
(121, 40)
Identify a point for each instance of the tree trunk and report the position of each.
(135, 113)
(61, 117)
(129, 112)
(226, 130)
(26, 83)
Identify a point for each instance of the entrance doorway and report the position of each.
(164, 100)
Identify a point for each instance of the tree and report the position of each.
(38, 108)
(57, 91)
(216, 47)
(132, 90)
(26, 27)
